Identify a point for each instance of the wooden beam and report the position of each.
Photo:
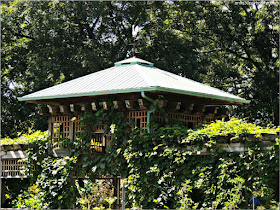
(75, 108)
(94, 106)
(211, 110)
(64, 109)
(118, 105)
(198, 109)
(50, 133)
(54, 110)
(105, 105)
(173, 106)
(43, 110)
(84, 107)
(131, 104)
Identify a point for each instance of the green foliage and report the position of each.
(54, 179)
(53, 183)
(94, 194)
(160, 163)
(185, 201)
(30, 138)
(31, 199)
(234, 129)
(53, 175)
(12, 188)
(110, 201)
(115, 129)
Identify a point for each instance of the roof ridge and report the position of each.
(149, 80)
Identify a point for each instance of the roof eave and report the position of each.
(87, 94)
(204, 95)
(157, 88)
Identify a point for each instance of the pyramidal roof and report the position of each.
(130, 75)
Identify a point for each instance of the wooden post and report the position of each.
(50, 132)
(123, 197)
(71, 131)
(118, 192)
(253, 202)
(115, 185)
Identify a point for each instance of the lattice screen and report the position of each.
(77, 127)
(139, 118)
(183, 117)
(11, 168)
(189, 120)
(61, 127)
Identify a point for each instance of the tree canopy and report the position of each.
(227, 45)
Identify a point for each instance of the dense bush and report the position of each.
(31, 137)
(165, 169)
(170, 161)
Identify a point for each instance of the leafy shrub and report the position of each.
(233, 128)
(31, 199)
(161, 162)
(95, 194)
(157, 165)
(35, 137)
(12, 188)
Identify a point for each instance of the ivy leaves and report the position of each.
(161, 166)
(55, 181)
(160, 163)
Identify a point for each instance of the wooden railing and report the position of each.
(11, 168)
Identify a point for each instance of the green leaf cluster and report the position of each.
(234, 130)
(156, 165)
(160, 163)
(31, 199)
(30, 138)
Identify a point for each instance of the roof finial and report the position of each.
(135, 30)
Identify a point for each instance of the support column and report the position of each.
(118, 193)
(115, 185)
(50, 130)
(123, 197)
(71, 131)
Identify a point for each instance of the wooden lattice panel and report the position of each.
(77, 127)
(99, 129)
(181, 117)
(11, 168)
(189, 120)
(139, 118)
(61, 127)
(99, 142)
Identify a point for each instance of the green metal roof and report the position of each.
(133, 60)
(130, 75)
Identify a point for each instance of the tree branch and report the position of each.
(25, 36)
(210, 51)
